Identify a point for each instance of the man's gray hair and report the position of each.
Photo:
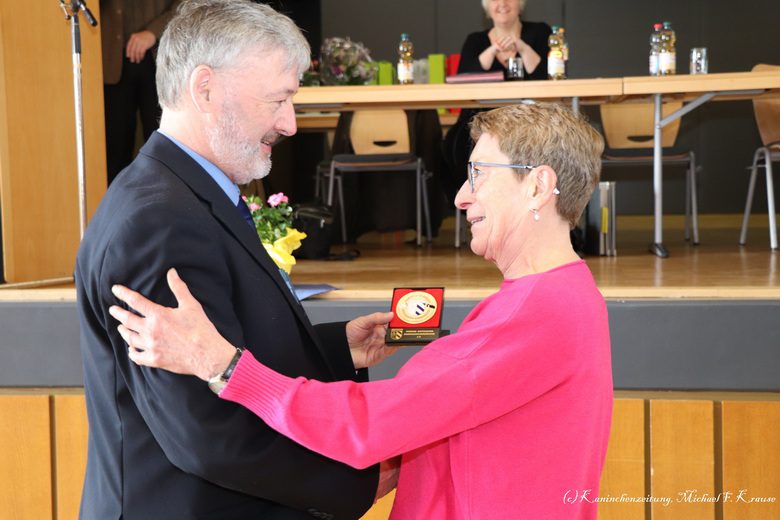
(219, 33)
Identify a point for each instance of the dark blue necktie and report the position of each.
(244, 210)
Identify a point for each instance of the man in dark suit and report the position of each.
(162, 446)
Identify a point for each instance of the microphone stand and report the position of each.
(71, 11)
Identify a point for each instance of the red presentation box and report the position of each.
(417, 315)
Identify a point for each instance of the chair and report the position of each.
(628, 129)
(768, 120)
(381, 140)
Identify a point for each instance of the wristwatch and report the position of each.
(219, 381)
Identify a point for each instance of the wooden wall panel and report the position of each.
(38, 180)
(682, 458)
(751, 459)
(70, 440)
(25, 458)
(680, 447)
(624, 470)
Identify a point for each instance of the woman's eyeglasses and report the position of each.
(474, 172)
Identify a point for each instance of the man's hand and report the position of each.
(366, 338)
(388, 476)
(138, 44)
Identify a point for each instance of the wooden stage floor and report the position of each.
(717, 268)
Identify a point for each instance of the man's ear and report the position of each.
(202, 87)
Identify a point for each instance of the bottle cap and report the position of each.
(657, 26)
(404, 36)
(667, 25)
(555, 28)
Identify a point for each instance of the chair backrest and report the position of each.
(379, 131)
(630, 125)
(767, 112)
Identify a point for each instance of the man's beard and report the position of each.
(241, 160)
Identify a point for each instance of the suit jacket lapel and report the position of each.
(200, 182)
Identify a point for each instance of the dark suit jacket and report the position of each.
(153, 15)
(161, 445)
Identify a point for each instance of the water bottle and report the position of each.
(667, 57)
(556, 63)
(565, 44)
(655, 49)
(405, 60)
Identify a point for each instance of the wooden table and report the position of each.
(467, 95)
(695, 91)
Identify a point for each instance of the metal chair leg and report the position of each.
(340, 187)
(694, 199)
(749, 201)
(331, 176)
(419, 202)
(426, 207)
(457, 227)
(687, 225)
(770, 201)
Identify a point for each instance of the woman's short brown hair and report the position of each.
(549, 134)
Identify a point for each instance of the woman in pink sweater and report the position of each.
(507, 418)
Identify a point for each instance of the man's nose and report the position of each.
(286, 124)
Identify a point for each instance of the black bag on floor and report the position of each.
(316, 220)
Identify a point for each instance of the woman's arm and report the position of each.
(454, 384)
(471, 54)
(487, 57)
(531, 58)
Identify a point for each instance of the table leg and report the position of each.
(657, 247)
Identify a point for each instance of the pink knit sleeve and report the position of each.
(357, 423)
(450, 386)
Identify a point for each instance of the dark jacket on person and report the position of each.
(121, 18)
(161, 445)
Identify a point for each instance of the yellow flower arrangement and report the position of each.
(274, 227)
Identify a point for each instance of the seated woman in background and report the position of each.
(510, 36)
(489, 51)
(509, 417)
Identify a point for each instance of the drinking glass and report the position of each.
(699, 61)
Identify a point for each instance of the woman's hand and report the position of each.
(182, 340)
(505, 44)
(366, 338)
(519, 45)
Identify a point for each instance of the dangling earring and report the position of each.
(536, 214)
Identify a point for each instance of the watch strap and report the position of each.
(219, 381)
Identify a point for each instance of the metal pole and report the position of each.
(657, 247)
(77, 102)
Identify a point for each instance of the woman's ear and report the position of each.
(544, 183)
